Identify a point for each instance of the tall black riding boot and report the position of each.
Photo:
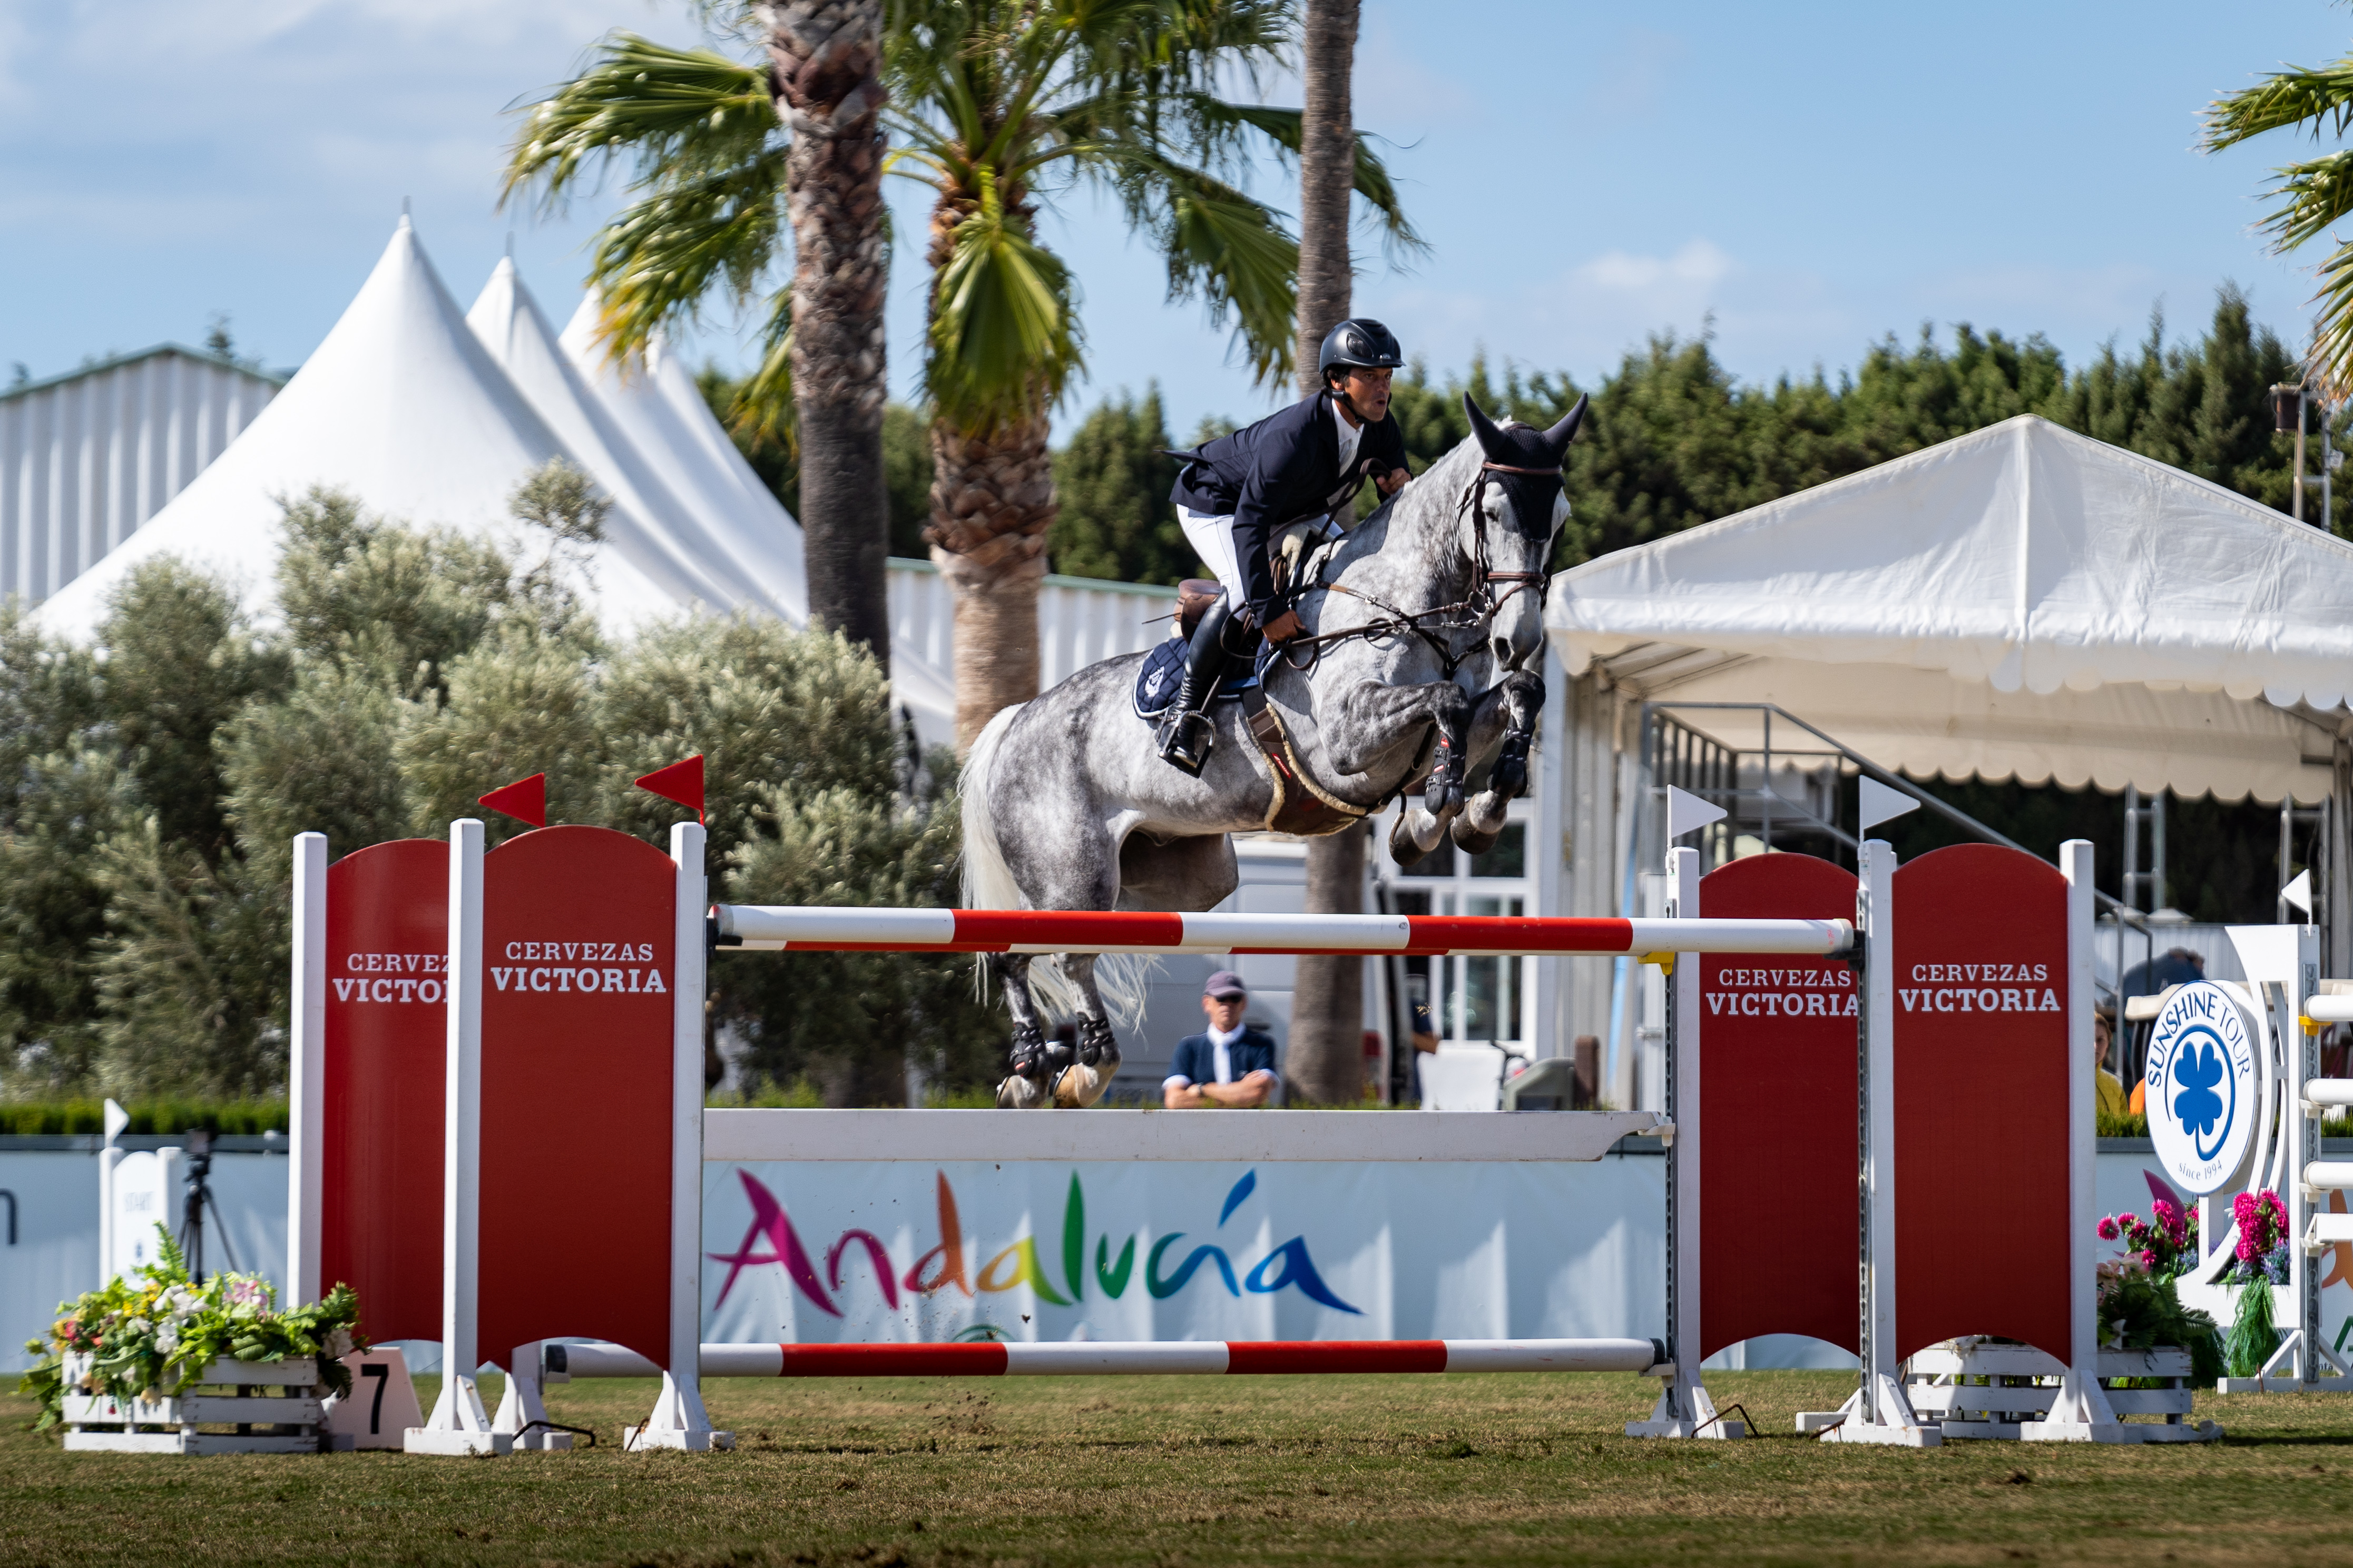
(1186, 735)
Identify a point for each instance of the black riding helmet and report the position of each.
(1358, 343)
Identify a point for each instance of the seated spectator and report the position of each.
(1230, 1066)
(2110, 1087)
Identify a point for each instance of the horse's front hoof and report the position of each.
(1423, 831)
(1469, 840)
(1019, 1093)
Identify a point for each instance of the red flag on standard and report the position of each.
(526, 800)
(680, 782)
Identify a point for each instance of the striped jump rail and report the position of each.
(1085, 1358)
(772, 928)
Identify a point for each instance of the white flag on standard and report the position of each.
(1686, 811)
(1879, 803)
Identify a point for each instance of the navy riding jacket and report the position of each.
(1285, 467)
(1197, 1058)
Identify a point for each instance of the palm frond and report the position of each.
(1284, 126)
(1222, 246)
(2283, 99)
(1005, 338)
(659, 259)
(762, 405)
(2331, 361)
(2312, 197)
(680, 115)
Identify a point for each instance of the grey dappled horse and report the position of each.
(1420, 632)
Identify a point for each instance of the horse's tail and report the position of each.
(1122, 979)
(988, 881)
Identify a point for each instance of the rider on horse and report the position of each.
(1237, 493)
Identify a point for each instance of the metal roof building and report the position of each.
(89, 456)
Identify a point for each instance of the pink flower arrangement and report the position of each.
(2262, 1234)
(2164, 1245)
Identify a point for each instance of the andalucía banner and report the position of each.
(849, 1252)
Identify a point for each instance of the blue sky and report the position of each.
(1813, 176)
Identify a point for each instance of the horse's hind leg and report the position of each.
(1026, 1088)
(1087, 1078)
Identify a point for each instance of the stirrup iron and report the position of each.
(1186, 742)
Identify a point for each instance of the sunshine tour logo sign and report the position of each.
(1168, 1266)
(1979, 988)
(564, 967)
(2201, 1087)
(1824, 991)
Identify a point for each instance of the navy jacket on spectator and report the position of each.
(1285, 467)
(1197, 1059)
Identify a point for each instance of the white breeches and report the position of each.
(1212, 538)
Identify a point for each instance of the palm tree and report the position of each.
(2310, 197)
(826, 60)
(1327, 1014)
(721, 151)
(997, 105)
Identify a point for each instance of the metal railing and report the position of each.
(1680, 754)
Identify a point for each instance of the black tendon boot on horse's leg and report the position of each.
(1186, 733)
(1026, 1085)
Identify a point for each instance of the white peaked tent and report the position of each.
(508, 321)
(2020, 601)
(401, 406)
(659, 404)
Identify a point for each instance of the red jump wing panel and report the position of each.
(576, 1055)
(1981, 1134)
(384, 1056)
(1779, 1152)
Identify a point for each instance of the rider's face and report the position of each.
(1370, 391)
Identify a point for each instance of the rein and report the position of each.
(1481, 606)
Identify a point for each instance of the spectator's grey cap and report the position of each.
(1225, 984)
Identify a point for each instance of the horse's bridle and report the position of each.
(1481, 606)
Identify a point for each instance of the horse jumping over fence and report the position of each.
(1422, 624)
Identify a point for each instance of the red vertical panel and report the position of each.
(577, 1024)
(1981, 1144)
(1778, 1156)
(380, 1139)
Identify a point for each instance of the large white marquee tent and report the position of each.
(2019, 602)
(434, 417)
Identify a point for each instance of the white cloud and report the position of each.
(1699, 264)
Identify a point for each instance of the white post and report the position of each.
(679, 1420)
(459, 1425)
(1880, 1412)
(2301, 1048)
(306, 1094)
(1684, 1409)
(2082, 1413)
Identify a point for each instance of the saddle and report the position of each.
(1300, 808)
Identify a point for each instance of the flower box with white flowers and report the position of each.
(164, 1363)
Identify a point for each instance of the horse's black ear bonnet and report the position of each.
(1525, 450)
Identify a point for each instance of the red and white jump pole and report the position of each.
(781, 928)
(1084, 1358)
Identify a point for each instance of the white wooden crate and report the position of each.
(2021, 1382)
(229, 1393)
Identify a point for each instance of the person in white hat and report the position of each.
(1231, 1066)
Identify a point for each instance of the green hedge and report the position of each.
(232, 1115)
